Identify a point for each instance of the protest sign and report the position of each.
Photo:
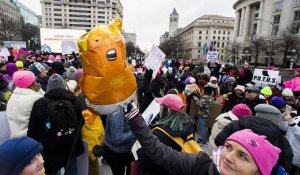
(4, 53)
(263, 77)
(212, 56)
(155, 59)
(68, 47)
(151, 112)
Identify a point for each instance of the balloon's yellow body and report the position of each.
(108, 81)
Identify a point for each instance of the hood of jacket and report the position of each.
(188, 128)
(60, 94)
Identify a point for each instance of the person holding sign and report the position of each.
(245, 75)
(244, 152)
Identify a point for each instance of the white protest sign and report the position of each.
(133, 62)
(155, 59)
(15, 44)
(151, 112)
(67, 47)
(212, 56)
(262, 76)
(4, 53)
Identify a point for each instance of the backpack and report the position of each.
(188, 146)
(61, 125)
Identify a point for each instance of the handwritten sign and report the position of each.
(262, 77)
(155, 59)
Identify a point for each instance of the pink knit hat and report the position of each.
(172, 101)
(262, 151)
(23, 79)
(241, 110)
(297, 70)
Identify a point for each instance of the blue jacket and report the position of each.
(118, 136)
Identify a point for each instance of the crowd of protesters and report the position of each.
(241, 128)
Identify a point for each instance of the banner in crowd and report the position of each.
(212, 56)
(15, 44)
(155, 59)
(262, 77)
(51, 39)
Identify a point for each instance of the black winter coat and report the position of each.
(54, 159)
(252, 104)
(261, 126)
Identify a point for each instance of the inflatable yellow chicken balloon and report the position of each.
(107, 82)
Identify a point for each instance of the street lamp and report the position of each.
(271, 41)
(292, 59)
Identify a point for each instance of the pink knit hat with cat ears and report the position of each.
(262, 151)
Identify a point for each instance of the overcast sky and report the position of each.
(150, 18)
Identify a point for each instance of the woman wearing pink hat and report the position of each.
(20, 104)
(243, 153)
(294, 84)
(174, 122)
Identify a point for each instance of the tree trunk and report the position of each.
(256, 59)
(284, 58)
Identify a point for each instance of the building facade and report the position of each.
(130, 37)
(9, 21)
(198, 35)
(27, 14)
(265, 19)
(9, 10)
(79, 14)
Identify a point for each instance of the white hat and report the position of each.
(287, 92)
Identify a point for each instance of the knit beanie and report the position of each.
(68, 64)
(266, 91)
(240, 87)
(23, 79)
(71, 72)
(297, 70)
(16, 154)
(278, 102)
(11, 68)
(263, 152)
(268, 112)
(287, 92)
(19, 64)
(231, 79)
(55, 82)
(78, 74)
(241, 110)
(37, 68)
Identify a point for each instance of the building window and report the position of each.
(223, 37)
(223, 44)
(278, 6)
(214, 37)
(199, 51)
(218, 44)
(219, 32)
(276, 21)
(228, 33)
(296, 23)
(218, 38)
(254, 28)
(297, 2)
(206, 37)
(223, 32)
(199, 37)
(214, 32)
(206, 32)
(200, 32)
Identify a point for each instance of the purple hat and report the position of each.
(78, 74)
(11, 68)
